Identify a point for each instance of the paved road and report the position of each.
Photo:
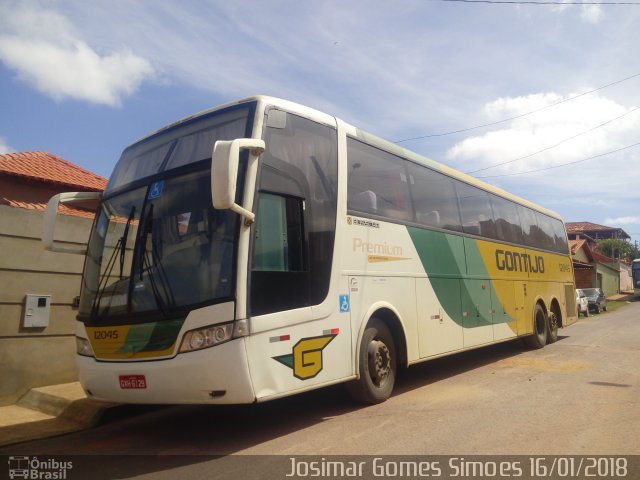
(580, 395)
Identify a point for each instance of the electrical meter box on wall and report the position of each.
(37, 309)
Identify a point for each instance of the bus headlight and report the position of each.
(83, 347)
(213, 335)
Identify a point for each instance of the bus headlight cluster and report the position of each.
(213, 335)
(83, 347)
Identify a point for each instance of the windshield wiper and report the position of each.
(146, 229)
(121, 247)
(145, 264)
(123, 239)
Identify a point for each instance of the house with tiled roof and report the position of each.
(595, 231)
(37, 341)
(592, 268)
(29, 179)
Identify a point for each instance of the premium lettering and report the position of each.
(361, 246)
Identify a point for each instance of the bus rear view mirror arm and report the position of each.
(224, 173)
(82, 199)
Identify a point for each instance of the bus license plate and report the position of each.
(133, 381)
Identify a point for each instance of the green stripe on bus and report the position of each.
(151, 337)
(446, 256)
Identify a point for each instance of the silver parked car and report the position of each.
(582, 302)
(597, 300)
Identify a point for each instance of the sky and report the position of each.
(542, 100)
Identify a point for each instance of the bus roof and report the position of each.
(369, 138)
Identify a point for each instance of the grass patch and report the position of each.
(613, 305)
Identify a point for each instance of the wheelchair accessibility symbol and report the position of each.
(156, 190)
(344, 304)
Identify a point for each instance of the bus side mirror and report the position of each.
(224, 172)
(88, 200)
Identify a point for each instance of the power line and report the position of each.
(517, 116)
(556, 145)
(562, 164)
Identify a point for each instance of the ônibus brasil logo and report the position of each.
(34, 468)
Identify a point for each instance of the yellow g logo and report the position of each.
(306, 360)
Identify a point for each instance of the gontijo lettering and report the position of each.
(519, 262)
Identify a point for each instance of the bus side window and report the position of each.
(530, 230)
(279, 273)
(364, 201)
(547, 235)
(297, 185)
(378, 182)
(475, 210)
(431, 218)
(508, 227)
(560, 236)
(279, 235)
(434, 198)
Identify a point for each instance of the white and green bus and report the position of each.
(262, 248)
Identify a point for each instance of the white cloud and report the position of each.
(46, 52)
(588, 13)
(593, 186)
(631, 220)
(398, 70)
(591, 13)
(4, 148)
(568, 132)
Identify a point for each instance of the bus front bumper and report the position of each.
(216, 375)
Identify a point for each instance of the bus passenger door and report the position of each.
(477, 317)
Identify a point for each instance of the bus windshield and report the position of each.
(181, 145)
(158, 249)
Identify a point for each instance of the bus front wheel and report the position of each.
(376, 365)
(539, 337)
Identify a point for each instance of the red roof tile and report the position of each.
(575, 245)
(580, 226)
(50, 168)
(62, 209)
(587, 227)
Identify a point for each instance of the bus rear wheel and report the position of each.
(376, 365)
(539, 337)
(552, 328)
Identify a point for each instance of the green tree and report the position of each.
(616, 248)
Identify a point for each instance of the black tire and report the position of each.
(597, 309)
(586, 312)
(539, 337)
(376, 365)
(604, 309)
(552, 328)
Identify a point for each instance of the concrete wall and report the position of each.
(32, 357)
(581, 256)
(626, 280)
(607, 278)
